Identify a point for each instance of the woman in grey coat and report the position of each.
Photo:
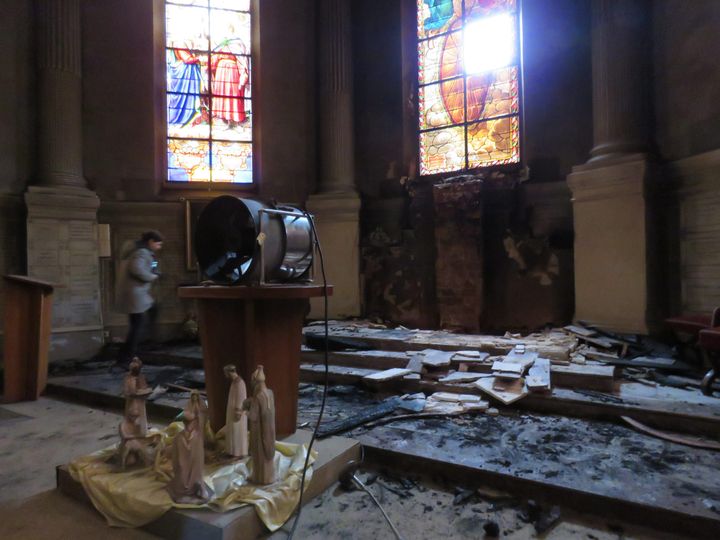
(138, 272)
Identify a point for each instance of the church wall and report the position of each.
(399, 270)
(128, 220)
(17, 96)
(118, 99)
(686, 77)
(686, 61)
(378, 93)
(17, 120)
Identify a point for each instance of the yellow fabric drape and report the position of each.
(136, 497)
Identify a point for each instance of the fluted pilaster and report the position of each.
(336, 109)
(620, 69)
(59, 93)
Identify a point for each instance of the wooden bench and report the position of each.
(687, 328)
(709, 342)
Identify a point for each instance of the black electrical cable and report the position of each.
(327, 378)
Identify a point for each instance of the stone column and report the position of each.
(336, 205)
(59, 93)
(620, 74)
(61, 210)
(613, 211)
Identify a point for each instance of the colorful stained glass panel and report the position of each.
(437, 16)
(238, 5)
(229, 75)
(468, 98)
(441, 104)
(186, 27)
(494, 94)
(186, 71)
(230, 32)
(188, 161)
(442, 150)
(489, 43)
(483, 8)
(209, 111)
(493, 142)
(440, 58)
(184, 125)
(232, 162)
(233, 131)
(200, 3)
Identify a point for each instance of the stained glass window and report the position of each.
(468, 77)
(209, 113)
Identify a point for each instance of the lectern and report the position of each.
(28, 311)
(247, 326)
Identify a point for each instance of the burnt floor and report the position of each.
(568, 456)
(37, 436)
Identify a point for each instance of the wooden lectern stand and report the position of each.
(249, 326)
(28, 311)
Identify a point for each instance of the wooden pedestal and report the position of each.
(28, 311)
(251, 326)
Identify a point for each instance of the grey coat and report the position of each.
(135, 280)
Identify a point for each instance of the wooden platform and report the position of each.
(333, 455)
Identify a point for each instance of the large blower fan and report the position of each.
(247, 242)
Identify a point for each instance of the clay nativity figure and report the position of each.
(188, 457)
(261, 412)
(136, 391)
(136, 447)
(236, 421)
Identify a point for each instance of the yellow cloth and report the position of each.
(137, 497)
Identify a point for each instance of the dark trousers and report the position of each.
(138, 326)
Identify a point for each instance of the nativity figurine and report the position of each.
(136, 447)
(136, 391)
(187, 485)
(261, 413)
(236, 421)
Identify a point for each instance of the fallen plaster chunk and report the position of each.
(461, 376)
(448, 396)
(415, 363)
(470, 354)
(436, 358)
(521, 356)
(504, 396)
(386, 375)
(470, 403)
(538, 379)
(413, 402)
(507, 369)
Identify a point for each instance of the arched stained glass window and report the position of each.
(209, 114)
(469, 79)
